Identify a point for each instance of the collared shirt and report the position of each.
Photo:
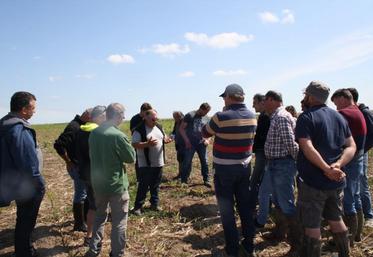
(234, 131)
(280, 140)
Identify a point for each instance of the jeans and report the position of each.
(201, 150)
(351, 199)
(80, 192)
(149, 180)
(264, 198)
(119, 214)
(366, 199)
(27, 212)
(232, 186)
(258, 172)
(282, 173)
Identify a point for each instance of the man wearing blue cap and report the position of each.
(234, 130)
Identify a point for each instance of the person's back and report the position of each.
(357, 124)
(235, 130)
(328, 137)
(107, 157)
(109, 149)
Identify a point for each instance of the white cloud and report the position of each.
(288, 17)
(268, 17)
(187, 74)
(85, 76)
(54, 78)
(223, 40)
(120, 58)
(229, 72)
(167, 50)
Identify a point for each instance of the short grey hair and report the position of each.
(114, 110)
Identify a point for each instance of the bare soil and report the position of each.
(188, 225)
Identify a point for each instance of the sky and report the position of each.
(177, 54)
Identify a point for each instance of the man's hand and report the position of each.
(206, 141)
(151, 142)
(335, 174)
(168, 139)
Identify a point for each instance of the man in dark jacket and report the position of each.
(179, 141)
(20, 167)
(65, 146)
(365, 196)
(97, 117)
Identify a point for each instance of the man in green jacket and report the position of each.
(109, 148)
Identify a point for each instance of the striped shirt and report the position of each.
(234, 131)
(280, 141)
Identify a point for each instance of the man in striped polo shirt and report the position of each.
(234, 130)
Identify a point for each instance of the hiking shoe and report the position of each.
(87, 240)
(207, 184)
(91, 253)
(154, 207)
(137, 212)
(244, 253)
(368, 223)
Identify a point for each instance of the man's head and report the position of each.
(24, 104)
(177, 115)
(233, 94)
(354, 93)
(316, 93)
(342, 98)
(151, 118)
(258, 102)
(291, 109)
(115, 113)
(272, 101)
(98, 114)
(86, 115)
(203, 109)
(144, 108)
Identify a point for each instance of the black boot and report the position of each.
(295, 236)
(78, 211)
(360, 225)
(351, 223)
(281, 226)
(342, 243)
(311, 247)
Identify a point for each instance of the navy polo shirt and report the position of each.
(328, 131)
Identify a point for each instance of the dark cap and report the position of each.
(97, 111)
(319, 90)
(233, 90)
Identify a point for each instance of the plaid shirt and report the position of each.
(280, 140)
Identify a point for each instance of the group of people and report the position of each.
(321, 152)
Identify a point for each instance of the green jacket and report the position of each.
(109, 148)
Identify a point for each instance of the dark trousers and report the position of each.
(201, 150)
(257, 176)
(149, 180)
(232, 187)
(27, 212)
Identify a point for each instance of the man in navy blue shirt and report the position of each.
(326, 146)
(20, 167)
(191, 132)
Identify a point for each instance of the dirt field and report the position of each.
(188, 225)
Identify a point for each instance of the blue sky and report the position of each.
(177, 54)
